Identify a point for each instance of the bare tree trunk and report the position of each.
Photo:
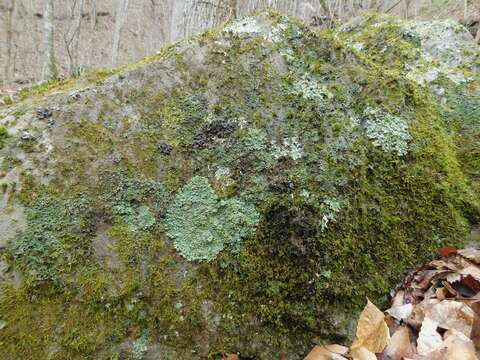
(34, 43)
(50, 66)
(465, 9)
(393, 6)
(93, 17)
(120, 16)
(406, 5)
(9, 33)
(234, 6)
(78, 28)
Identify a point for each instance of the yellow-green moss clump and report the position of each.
(243, 191)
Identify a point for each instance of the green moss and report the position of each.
(55, 316)
(130, 245)
(44, 88)
(28, 144)
(3, 136)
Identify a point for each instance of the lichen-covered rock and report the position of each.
(241, 191)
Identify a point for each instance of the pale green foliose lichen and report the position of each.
(140, 347)
(387, 131)
(331, 208)
(276, 34)
(309, 88)
(138, 218)
(290, 148)
(247, 25)
(201, 225)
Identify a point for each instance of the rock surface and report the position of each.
(311, 168)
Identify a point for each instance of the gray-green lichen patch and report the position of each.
(245, 26)
(308, 87)
(289, 148)
(55, 238)
(444, 40)
(442, 47)
(386, 131)
(201, 225)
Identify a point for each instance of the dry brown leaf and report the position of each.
(454, 277)
(450, 314)
(429, 340)
(401, 312)
(471, 270)
(475, 335)
(447, 251)
(459, 347)
(472, 283)
(398, 299)
(441, 293)
(446, 292)
(372, 330)
(442, 264)
(362, 353)
(337, 349)
(399, 345)
(323, 353)
(419, 310)
(318, 353)
(430, 276)
(471, 254)
(451, 291)
(440, 297)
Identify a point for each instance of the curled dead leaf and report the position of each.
(328, 352)
(362, 353)
(372, 330)
(426, 278)
(459, 347)
(472, 283)
(400, 345)
(429, 339)
(447, 251)
(419, 310)
(471, 270)
(337, 349)
(402, 312)
(470, 254)
(452, 315)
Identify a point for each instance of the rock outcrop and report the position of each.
(242, 191)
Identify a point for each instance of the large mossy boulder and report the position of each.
(245, 190)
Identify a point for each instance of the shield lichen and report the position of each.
(201, 225)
